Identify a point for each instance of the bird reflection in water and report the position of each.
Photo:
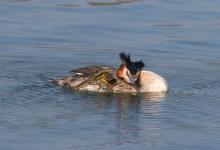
(132, 116)
(128, 109)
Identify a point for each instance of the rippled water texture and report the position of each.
(40, 40)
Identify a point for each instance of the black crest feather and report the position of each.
(125, 58)
(140, 64)
(133, 67)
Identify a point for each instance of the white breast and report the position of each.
(152, 83)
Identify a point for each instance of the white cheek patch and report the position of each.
(127, 79)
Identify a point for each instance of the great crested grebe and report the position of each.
(145, 81)
(128, 78)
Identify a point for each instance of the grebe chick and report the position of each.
(145, 81)
(95, 79)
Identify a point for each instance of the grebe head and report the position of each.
(129, 71)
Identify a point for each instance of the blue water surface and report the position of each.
(44, 39)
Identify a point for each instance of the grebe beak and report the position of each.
(133, 79)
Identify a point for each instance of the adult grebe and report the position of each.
(146, 81)
(128, 78)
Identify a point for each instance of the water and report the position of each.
(40, 40)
